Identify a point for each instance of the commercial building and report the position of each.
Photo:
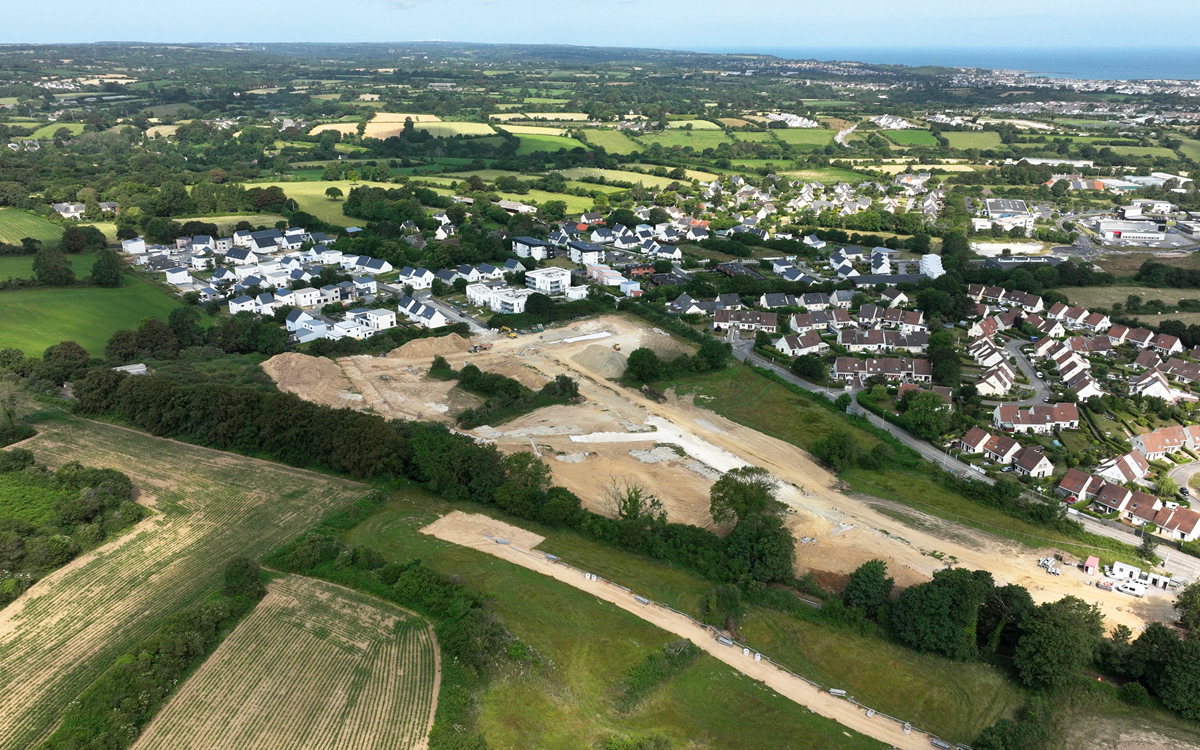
(1134, 231)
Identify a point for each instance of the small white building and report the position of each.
(551, 281)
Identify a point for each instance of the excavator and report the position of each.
(617, 347)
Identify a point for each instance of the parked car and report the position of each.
(1184, 491)
(1041, 376)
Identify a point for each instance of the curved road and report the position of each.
(1040, 387)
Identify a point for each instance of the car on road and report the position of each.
(1184, 491)
(1046, 400)
(1041, 376)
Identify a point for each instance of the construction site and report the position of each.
(675, 450)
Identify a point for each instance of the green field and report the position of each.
(209, 507)
(16, 225)
(1105, 296)
(549, 143)
(22, 498)
(616, 142)
(974, 139)
(451, 129)
(814, 137)
(35, 319)
(752, 136)
(47, 132)
(912, 137)
(592, 642)
(584, 646)
(648, 180)
(697, 139)
(827, 175)
(1155, 151)
(16, 266)
(1191, 148)
(310, 197)
(696, 124)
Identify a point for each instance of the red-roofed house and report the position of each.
(1030, 462)
(1126, 468)
(1001, 448)
(974, 440)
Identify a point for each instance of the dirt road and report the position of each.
(481, 532)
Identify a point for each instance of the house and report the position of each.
(1154, 445)
(498, 298)
(842, 298)
(70, 210)
(1166, 345)
(794, 345)
(240, 256)
(530, 247)
(855, 340)
(373, 320)
(893, 297)
(1184, 372)
(996, 381)
(729, 302)
(552, 281)
(585, 253)
(1078, 484)
(242, 304)
(1154, 383)
(1113, 497)
(1001, 448)
(135, 246)
(853, 369)
(1029, 462)
(770, 301)
(1126, 468)
(744, 320)
(974, 440)
(1040, 419)
(178, 276)
(814, 301)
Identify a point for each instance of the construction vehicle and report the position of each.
(509, 331)
(617, 347)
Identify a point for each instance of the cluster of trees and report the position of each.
(113, 710)
(506, 397)
(382, 341)
(92, 504)
(52, 263)
(645, 366)
(243, 333)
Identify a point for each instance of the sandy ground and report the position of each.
(613, 434)
(480, 532)
(993, 249)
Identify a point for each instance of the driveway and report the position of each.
(454, 316)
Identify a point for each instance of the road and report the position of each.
(454, 316)
(1040, 387)
(1179, 565)
(841, 136)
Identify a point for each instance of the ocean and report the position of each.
(1091, 63)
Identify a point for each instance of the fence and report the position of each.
(708, 630)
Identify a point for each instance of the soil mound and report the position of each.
(311, 378)
(433, 347)
(602, 360)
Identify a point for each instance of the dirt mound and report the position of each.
(315, 379)
(432, 347)
(602, 360)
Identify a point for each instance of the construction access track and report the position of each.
(515, 545)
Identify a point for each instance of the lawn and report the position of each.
(697, 139)
(548, 143)
(38, 318)
(616, 142)
(21, 266)
(16, 225)
(208, 507)
(801, 137)
(1191, 148)
(912, 137)
(1105, 296)
(310, 197)
(975, 139)
(590, 643)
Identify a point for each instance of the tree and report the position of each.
(63, 361)
(1058, 639)
(1001, 616)
(1148, 546)
(629, 501)
(185, 323)
(173, 200)
(838, 449)
(764, 547)
(868, 587)
(927, 415)
(107, 269)
(74, 240)
(439, 288)
(812, 367)
(333, 192)
(1188, 605)
(941, 616)
(1181, 680)
(742, 493)
(540, 307)
(52, 268)
(643, 366)
(553, 211)
(1166, 486)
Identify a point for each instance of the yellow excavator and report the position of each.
(617, 347)
(509, 331)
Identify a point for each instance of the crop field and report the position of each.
(573, 116)
(585, 645)
(697, 139)
(648, 180)
(548, 143)
(533, 130)
(451, 129)
(38, 318)
(16, 225)
(210, 507)
(826, 175)
(975, 139)
(161, 131)
(912, 137)
(752, 136)
(1105, 296)
(815, 137)
(696, 124)
(315, 666)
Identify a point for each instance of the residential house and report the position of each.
(797, 345)
(893, 297)
(551, 281)
(744, 320)
(1129, 467)
(1079, 484)
(996, 381)
(1154, 445)
(974, 440)
(1001, 448)
(1040, 418)
(1030, 462)
(530, 247)
(893, 368)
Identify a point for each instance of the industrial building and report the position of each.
(1131, 231)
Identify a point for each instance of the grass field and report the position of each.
(827, 175)
(533, 130)
(19, 498)
(585, 645)
(315, 666)
(210, 507)
(696, 124)
(451, 129)
(548, 143)
(752, 136)
(912, 137)
(648, 180)
(47, 132)
(38, 318)
(974, 139)
(16, 225)
(697, 139)
(310, 197)
(1191, 148)
(1105, 296)
(1155, 151)
(814, 137)
(591, 643)
(1128, 263)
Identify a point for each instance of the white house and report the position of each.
(794, 345)
(552, 281)
(178, 276)
(136, 246)
(242, 304)
(585, 253)
(529, 247)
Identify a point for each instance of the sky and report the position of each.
(705, 25)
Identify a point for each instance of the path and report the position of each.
(469, 531)
(840, 138)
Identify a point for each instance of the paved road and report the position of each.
(1183, 567)
(477, 327)
(1041, 388)
(841, 136)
